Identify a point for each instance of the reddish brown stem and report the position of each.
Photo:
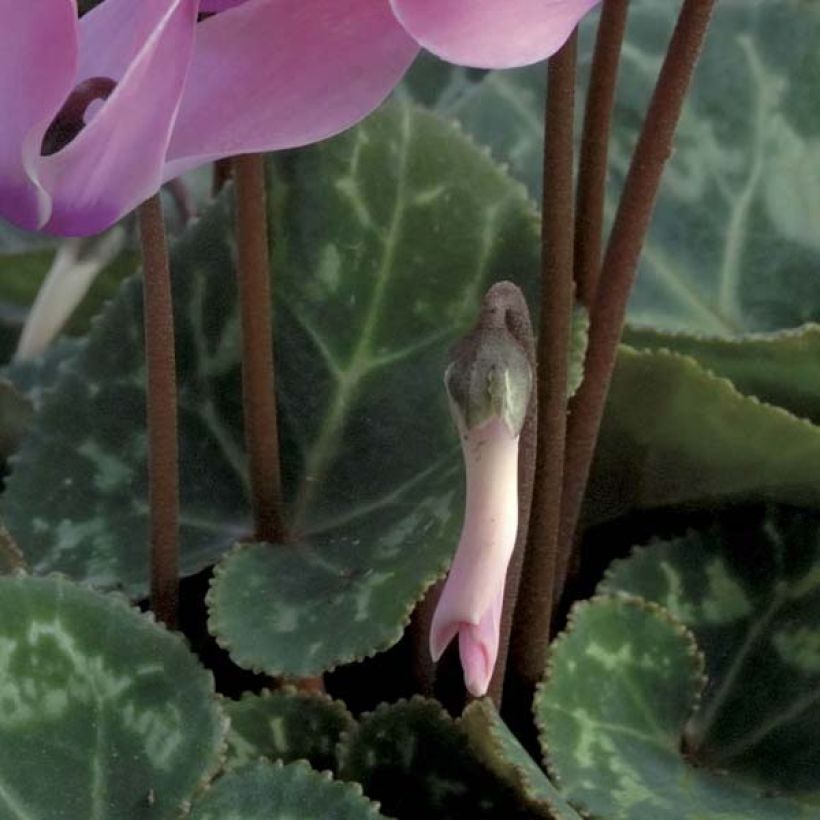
(592, 166)
(259, 397)
(163, 460)
(621, 261)
(517, 318)
(532, 617)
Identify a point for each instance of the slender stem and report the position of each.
(592, 166)
(254, 276)
(621, 261)
(163, 460)
(532, 618)
(517, 318)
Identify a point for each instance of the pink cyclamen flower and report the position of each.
(100, 111)
(489, 382)
(478, 33)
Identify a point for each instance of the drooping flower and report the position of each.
(489, 383)
(478, 33)
(100, 111)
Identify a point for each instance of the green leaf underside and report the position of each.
(499, 750)
(286, 725)
(782, 368)
(750, 593)
(265, 791)
(103, 713)
(621, 684)
(677, 435)
(417, 762)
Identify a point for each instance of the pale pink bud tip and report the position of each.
(475, 661)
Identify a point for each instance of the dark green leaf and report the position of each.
(265, 791)
(417, 762)
(750, 592)
(286, 725)
(676, 435)
(499, 750)
(105, 715)
(622, 683)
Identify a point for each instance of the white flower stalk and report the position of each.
(76, 265)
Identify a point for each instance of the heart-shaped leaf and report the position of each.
(622, 683)
(286, 725)
(749, 589)
(105, 715)
(265, 791)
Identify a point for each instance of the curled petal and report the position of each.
(272, 74)
(114, 33)
(38, 63)
(116, 161)
(491, 33)
(478, 647)
(472, 596)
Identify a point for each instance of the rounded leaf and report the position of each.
(265, 791)
(286, 725)
(622, 683)
(104, 714)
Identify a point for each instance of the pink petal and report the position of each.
(478, 648)
(116, 162)
(476, 579)
(273, 74)
(491, 33)
(38, 60)
(114, 33)
(218, 5)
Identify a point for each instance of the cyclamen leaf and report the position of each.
(498, 748)
(782, 369)
(263, 791)
(15, 416)
(286, 725)
(417, 762)
(622, 682)
(749, 589)
(675, 434)
(733, 246)
(106, 716)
